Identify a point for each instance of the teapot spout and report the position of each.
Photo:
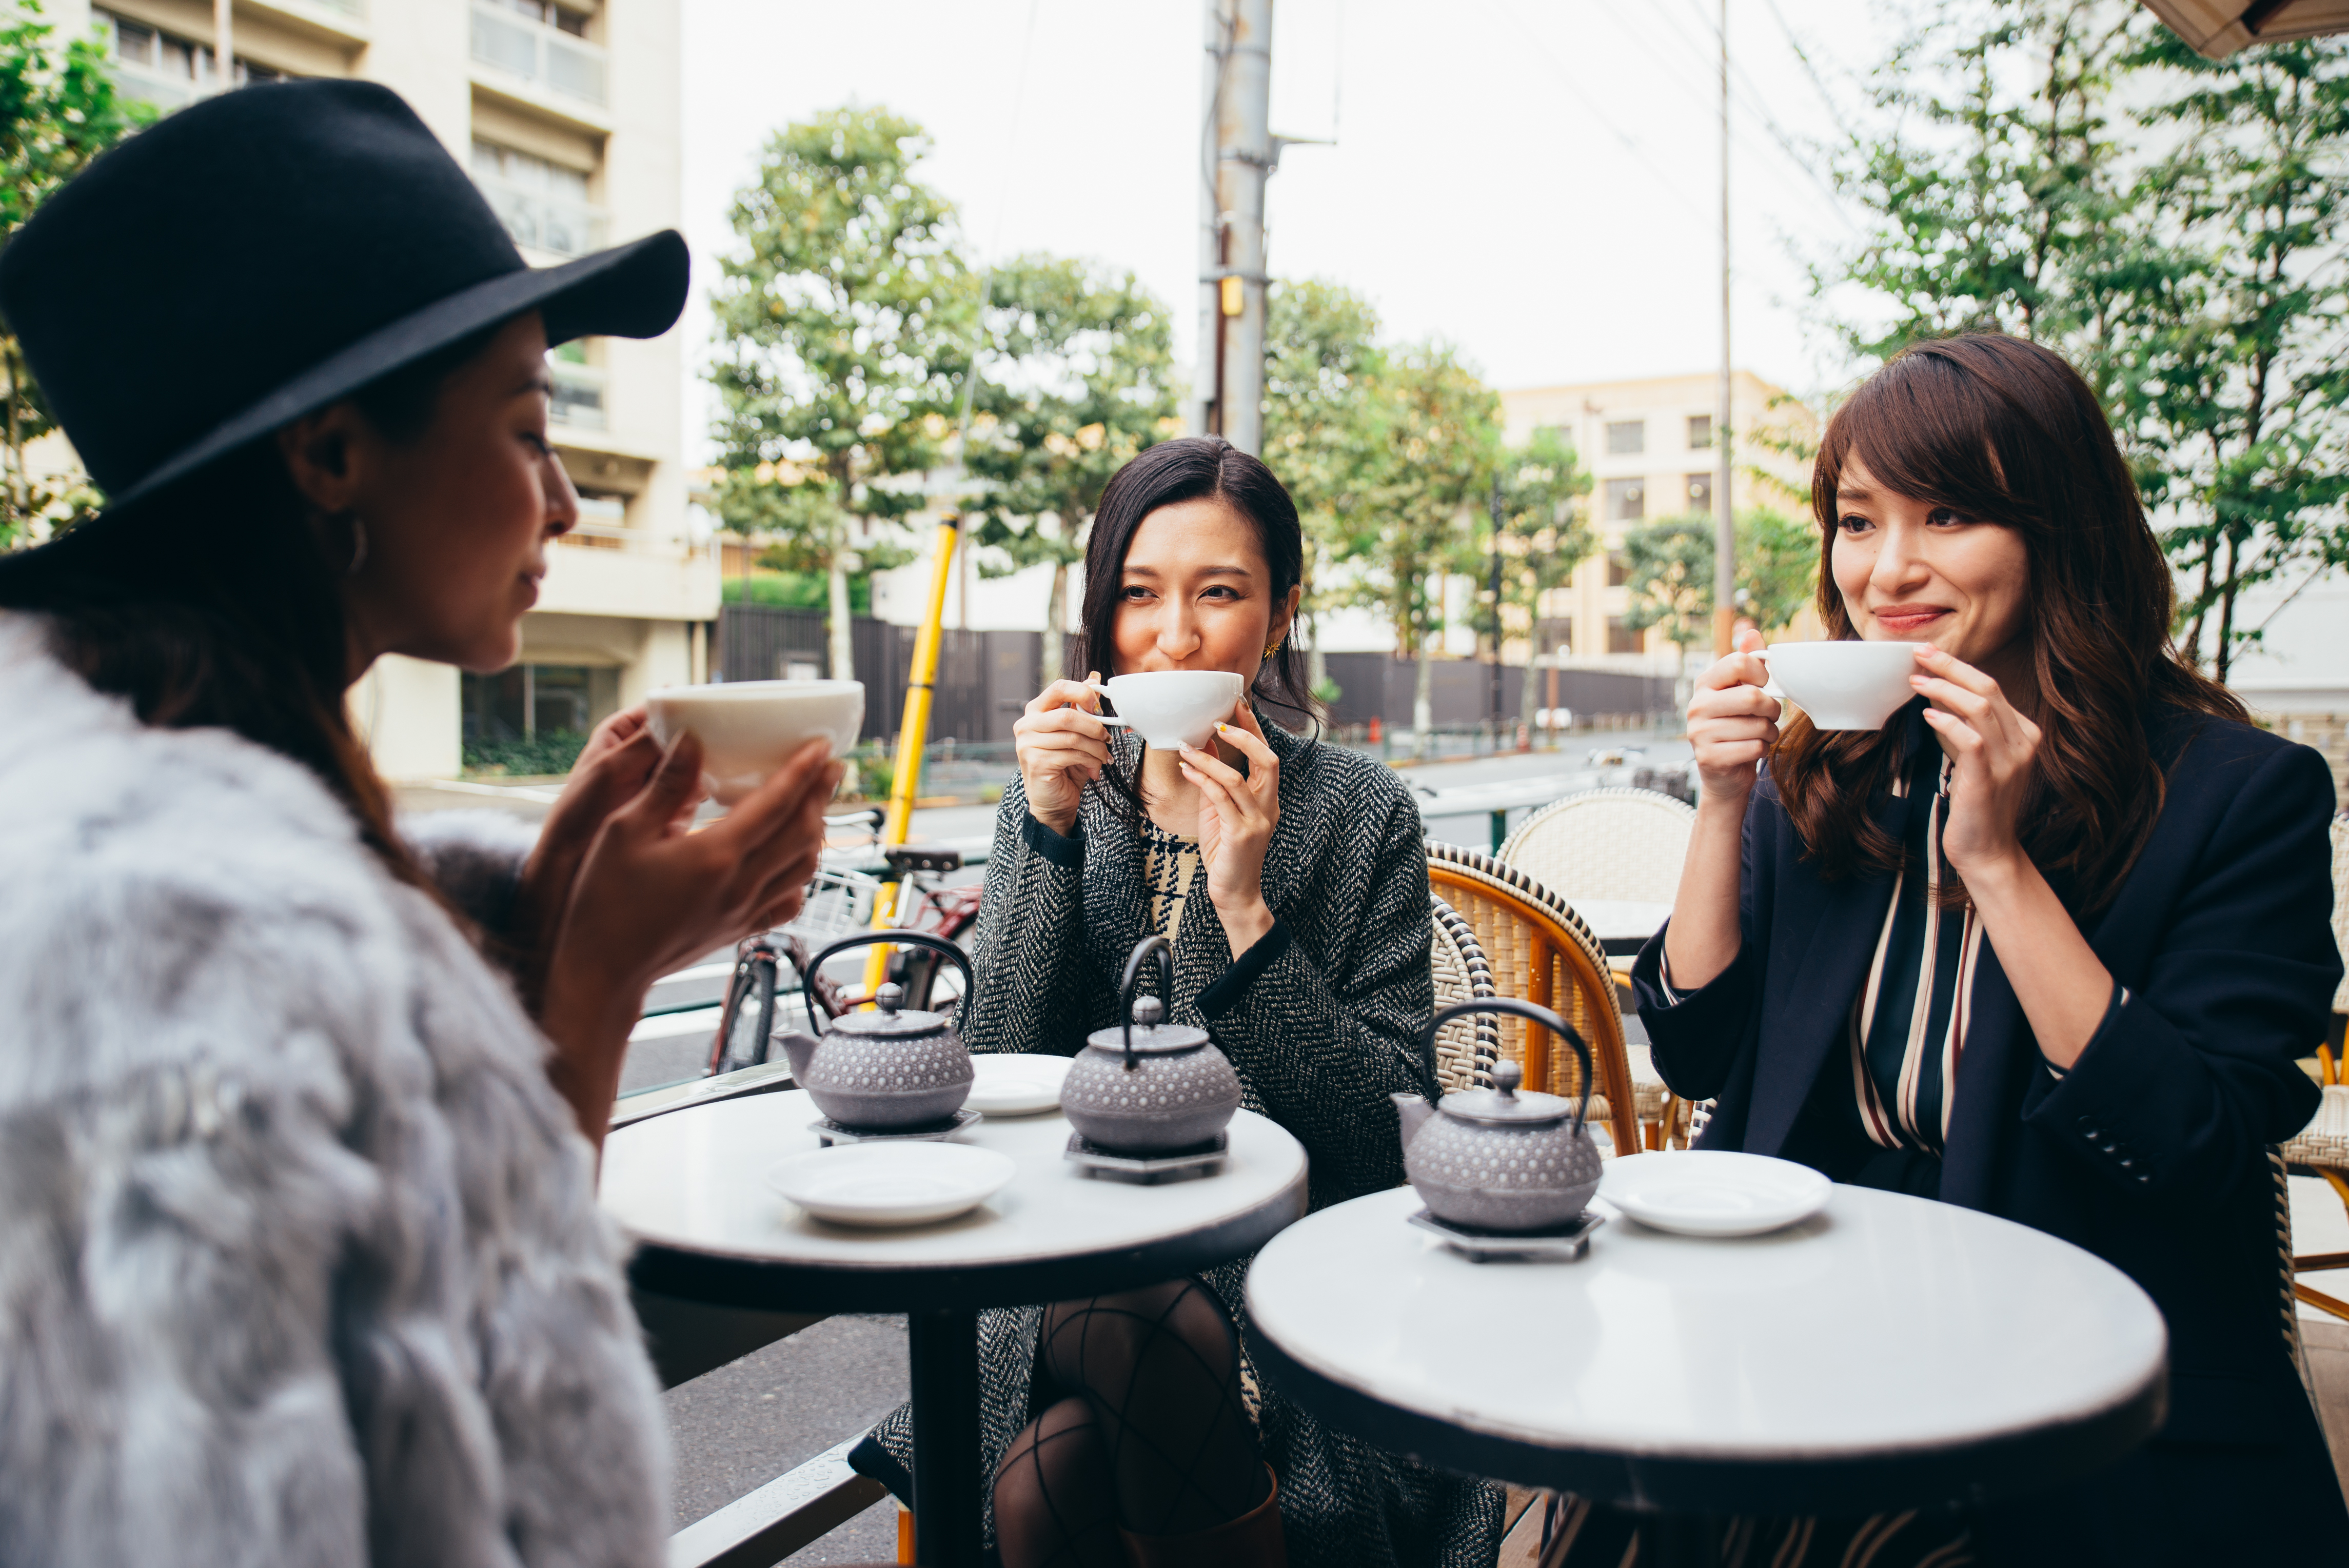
(800, 1048)
(1413, 1111)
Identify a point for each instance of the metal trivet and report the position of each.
(830, 1133)
(1565, 1244)
(1148, 1170)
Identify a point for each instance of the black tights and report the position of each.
(1144, 1428)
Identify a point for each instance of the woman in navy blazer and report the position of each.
(2047, 946)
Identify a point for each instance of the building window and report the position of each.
(163, 68)
(1619, 569)
(578, 397)
(1623, 639)
(1553, 635)
(1700, 492)
(541, 204)
(529, 700)
(561, 17)
(1625, 437)
(1626, 500)
(1700, 432)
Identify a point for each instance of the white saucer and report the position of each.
(1713, 1192)
(892, 1184)
(1007, 1084)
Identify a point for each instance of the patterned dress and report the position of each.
(1321, 1020)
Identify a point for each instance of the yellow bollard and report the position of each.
(913, 733)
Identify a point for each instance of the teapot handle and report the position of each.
(1148, 946)
(1542, 1015)
(895, 939)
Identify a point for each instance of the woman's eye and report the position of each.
(1943, 517)
(1137, 594)
(1852, 522)
(539, 443)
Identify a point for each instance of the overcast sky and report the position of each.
(1535, 181)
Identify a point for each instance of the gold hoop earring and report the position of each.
(358, 543)
(1270, 649)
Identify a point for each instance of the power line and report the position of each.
(1582, 101)
(1835, 109)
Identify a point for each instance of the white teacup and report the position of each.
(750, 728)
(1174, 707)
(1844, 684)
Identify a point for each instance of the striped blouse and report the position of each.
(1907, 1024)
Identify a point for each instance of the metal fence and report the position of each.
(984, 680)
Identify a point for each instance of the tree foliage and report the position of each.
(1670, 582)
(844, 330)
(2069, 171)
(58, 110)
(1077, 376)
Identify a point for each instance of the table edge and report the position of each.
(732, 1279)
(1995, 1465)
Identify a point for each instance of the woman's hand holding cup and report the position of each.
(1062, 747)
(1733, 724)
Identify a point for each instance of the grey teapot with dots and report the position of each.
(1148, 1086)
(1495, 1159)
(890, 1070)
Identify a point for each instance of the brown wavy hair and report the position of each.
(2004, 431)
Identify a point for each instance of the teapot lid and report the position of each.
(890, 1019)
(1503, 1104)
(1151, 1038)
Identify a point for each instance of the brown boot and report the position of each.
(1251, 1540)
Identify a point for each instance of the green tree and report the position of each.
(844, 337)
(1541, 535)
(1325, 435)
(1669, 580)
(1078, 376)
(2234, 389)
(58, 110)
(1778, 567)
(1442, 425)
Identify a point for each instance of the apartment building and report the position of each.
(1648, 447)
(567, 112)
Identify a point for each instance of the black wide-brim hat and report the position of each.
(262, 253)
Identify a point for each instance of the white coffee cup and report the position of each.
(1173, 708)
(1844, 685)
(750, 728)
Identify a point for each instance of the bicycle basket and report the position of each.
(839, 903)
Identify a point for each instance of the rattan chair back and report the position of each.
(1605, 844)
(1540, 950)
(1467, 1046)
(2340, 907)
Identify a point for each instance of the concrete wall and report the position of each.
(408, 713)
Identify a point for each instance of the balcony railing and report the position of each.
(578, 399)
(545, 56)
(550, 223)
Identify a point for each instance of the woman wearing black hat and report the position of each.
(298, 1255)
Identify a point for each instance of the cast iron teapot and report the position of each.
(888, 1070)
(1495, 1159)
(1148, 1086)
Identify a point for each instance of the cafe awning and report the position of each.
(2217, 28)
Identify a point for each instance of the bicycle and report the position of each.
(840, 903)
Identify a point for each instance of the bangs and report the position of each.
(1924, 429)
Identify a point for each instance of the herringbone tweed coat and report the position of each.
(1322, 1022)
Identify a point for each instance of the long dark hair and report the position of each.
(1190, 468)
(2004, 431)
(217, 604)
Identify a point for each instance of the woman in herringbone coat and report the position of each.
(1291, 879)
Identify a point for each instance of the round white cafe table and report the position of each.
(689, 1188)
(1890, 1352)
(1621, 924)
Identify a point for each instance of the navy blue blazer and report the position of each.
(2152, 1151)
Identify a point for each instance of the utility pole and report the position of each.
(1493, 691)
(1237, 153)
(1724, 522)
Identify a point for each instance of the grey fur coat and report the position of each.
(299, 1257)
(1321, 1021)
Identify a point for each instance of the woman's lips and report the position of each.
(1904, 621)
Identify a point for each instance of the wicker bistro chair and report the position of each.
(1539, 950)
(2323, 1146)
(1467, 1047)
(1605, 844)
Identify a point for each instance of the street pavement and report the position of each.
(737, 1428)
